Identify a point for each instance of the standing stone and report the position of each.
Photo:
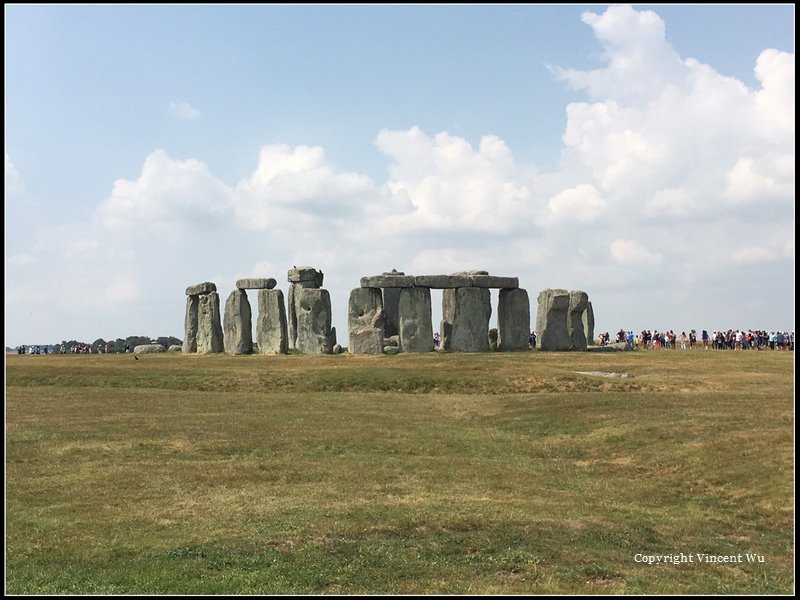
(391, 303)
(292, 317)
(190, 324)
(493, 339)
(578, 303)
(513, 320)
(271, 332)
(465, 319)
(209, 328)
(551, 320)
(313, 306)
(365, 321)
(588, 324)
(237, 324)
(299, 277)
(391, 310)
(416, 329)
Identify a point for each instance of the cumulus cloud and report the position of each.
(169, 194)
(298, 180)
(183, 111)
(582, 204)
(448, 183)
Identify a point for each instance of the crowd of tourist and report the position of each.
(732, 339)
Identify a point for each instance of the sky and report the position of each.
(641, 153)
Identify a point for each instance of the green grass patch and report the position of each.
(410, 474)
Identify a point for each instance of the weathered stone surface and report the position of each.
(175, 348)
(442, 282)
(256, 283)
(201, 288)
(588, 324)
(393, 340)
(365, 321)
(616, 347)
(513, 320)
(578, 303)
(491, 281)
(307, 277)
(551, 320)
(271, 329)
(471, 273)
(291, 309)
(237, 325)
(391, 311)
(391, 350)
(465, 319)
(209, 328)
(337, 349)
(313, 307)
(190, 324)
(148, 349)
(416, 331)
(493, 339)
(387, 281)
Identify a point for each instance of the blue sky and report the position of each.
(644, 154)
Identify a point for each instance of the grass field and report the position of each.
(438, 473)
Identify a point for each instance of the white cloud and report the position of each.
(581, 204)
(183, 111)
(14, 184)
(289, 182)
(170, 195)
(744, 183)
(448, 183)
(676, 202)
(632, 253)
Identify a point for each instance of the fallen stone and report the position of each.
(603, 374)
(175, 348)
(391, 350)
(148, 349)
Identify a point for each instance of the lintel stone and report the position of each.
(388, 281)
(201, 288)
(256, 283)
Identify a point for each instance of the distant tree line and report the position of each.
(118, 345)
